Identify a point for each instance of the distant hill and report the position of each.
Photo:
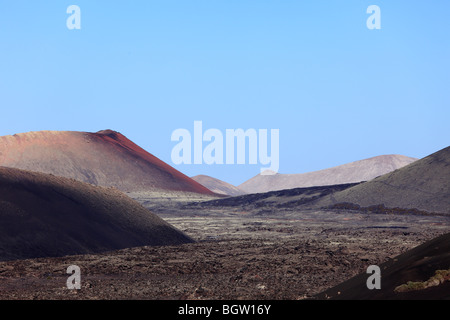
(362, 170)
(105, 158)
(422, 185)
(218, 186)
(42, 215)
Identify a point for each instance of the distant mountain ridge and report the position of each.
(357, 171)
(105, 158)
(423, 185)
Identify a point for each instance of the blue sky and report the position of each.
(337, 91)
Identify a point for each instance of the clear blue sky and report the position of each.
(337, 91)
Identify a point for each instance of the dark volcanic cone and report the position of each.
(42, 215)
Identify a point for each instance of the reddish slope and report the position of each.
(105, 158)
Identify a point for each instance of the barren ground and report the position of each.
(285, 254)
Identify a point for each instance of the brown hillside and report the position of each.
(218, 186)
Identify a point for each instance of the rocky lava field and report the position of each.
(238, 255)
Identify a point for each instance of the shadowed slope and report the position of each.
(362, 170)
(418, 265)
(218, 186)
(422, 185)
(44, 215)
(106, 158)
